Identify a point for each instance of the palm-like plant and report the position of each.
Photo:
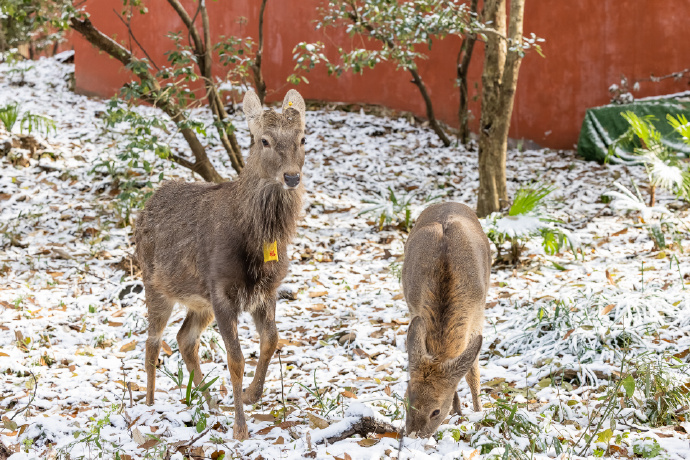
(527, 218)
(665, 167)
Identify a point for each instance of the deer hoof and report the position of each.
(240, 432)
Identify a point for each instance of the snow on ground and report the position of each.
(73, 321)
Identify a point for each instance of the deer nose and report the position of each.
(291, 181)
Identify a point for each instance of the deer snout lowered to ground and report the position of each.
(445, 280)
(222, 249)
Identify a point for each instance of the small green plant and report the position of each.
(392, 209)
(9, 114)
(40, 123)
(506, 422)
(194, 396)
(395, 269)
(658, 386)
(526, 219)
(647, 448)
(325, 403)
(91, 441)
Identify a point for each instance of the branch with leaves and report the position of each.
(400, 28)
(149, 90)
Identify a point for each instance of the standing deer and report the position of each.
(445, 280)
(222, 249)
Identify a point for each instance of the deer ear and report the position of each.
(294, 100)
(416, 342)
(457, 368)
(251, 106)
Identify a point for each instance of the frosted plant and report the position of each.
(659, 221)
(527, 218)
(626, 200)
(665, 166)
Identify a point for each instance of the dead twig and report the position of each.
(362, 427)
(30, 400)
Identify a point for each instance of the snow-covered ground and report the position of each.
(73, 321)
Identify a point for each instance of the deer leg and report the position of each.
(472, 378)
(457, 408)
(188, 341)
(226, 316)
(159, 309)
(264, 319)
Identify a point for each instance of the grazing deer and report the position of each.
(222, 249)
(445, 280)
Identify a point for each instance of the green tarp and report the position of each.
(603, 125)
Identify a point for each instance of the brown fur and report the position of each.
(201, 245)
(445, 281)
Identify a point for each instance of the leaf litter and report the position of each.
(73, 319)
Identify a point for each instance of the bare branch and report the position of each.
(131, 35)
(259, 82)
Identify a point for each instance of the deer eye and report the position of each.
(303, 141)
(435, 413)
(264, 142)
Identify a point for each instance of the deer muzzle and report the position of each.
(291, 181)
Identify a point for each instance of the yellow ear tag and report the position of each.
(270, 251)
(290, 104)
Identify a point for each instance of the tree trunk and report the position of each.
(202, 165)
(463, 66)
(259, 82)
(499, 80)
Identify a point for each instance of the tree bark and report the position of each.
(499, 80)
(259, 82)
(202, 165)
(463, 66)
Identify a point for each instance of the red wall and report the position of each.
(589, 45)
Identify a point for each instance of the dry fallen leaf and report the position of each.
(317, 294)
(607, 309)
(470, 455)
(621, 232)
(166, 348)
(317, 422)
(368, 442)
(348, 394)
(137, 437)
(129, 346)
(398, 297)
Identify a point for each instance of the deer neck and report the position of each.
(267, 212)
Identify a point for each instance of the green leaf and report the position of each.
(528, 198)
(628, 384)
(558, 266)
(605, 436)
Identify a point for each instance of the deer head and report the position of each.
(432, 384)
(277, 150)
